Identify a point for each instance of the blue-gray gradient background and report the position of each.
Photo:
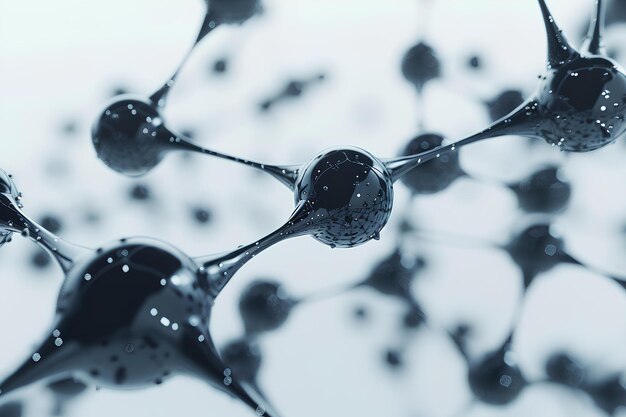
(59, 62)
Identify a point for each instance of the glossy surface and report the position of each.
(350, 193)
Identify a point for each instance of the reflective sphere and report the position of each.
(129, 136)
(9, 196)
(350, 193)
(582, 104)
(435, 175)
(543, 191)
(264, 305)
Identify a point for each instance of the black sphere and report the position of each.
(504, 103)
(264, 306)
(543, 191)
(233, 11)
(350, 193)
(129, 136)
(493, 381)
(243, 357)
(420, 65)
(582, 104)
(537, 250)
(561, 368)
(435, 175)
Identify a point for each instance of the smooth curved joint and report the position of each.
(159, 97)
(520, 122)
(219, 269)
(593, 42)
(287, 174)
(559, 49)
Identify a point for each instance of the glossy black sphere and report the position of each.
(493, 381)
(350, 193)
(129, 315)
(582, 104)
(243, 357)
(543, 191)
(233, 11)
(435, 175)
(9, 195)
(129, 136)
(504, 103)
(420, 65)
(264, 305)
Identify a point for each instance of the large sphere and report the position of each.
(351, 194)
(582, 104)
(132, 309)
(129, 136)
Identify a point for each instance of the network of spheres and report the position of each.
(131, 315)
(350, 193)
(583, 104)
(129, 136)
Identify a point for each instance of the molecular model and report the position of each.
(137, 312)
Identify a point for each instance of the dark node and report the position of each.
(582, 104)
(393, 277)
(129, 136)
(69, 128)
(494, 381)
(563, 369)
(220, 66)
(294, 88)
(52, 223)
(361, 313)
(233, 11)
(350, 193)
(504, 104)
(414, 317)
(202, 215)
(393, 358)
(609, 395)
(40, 259)
(543, 191)
(12, 409)
(264, 305)
(243, 356)
(140, 192)
(474, 62)
(435, 175)
(420, 65)
(265, 105)
(537, 250)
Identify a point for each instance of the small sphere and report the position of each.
(392, 276)
(493, 381)
(504, 103)
(140, 192)
(40, 259)
(543, 191)
(435, 175)
(581, 104)
(51, 223)
(233, 11)
(264, 306)
(129, 136)
(420, 65)
(474, 62)
(393, 358)
(536, 250)
(350, 193)
(220, 66)
(202, 215)
(130, 308)
(243, 357)
(561, 368)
